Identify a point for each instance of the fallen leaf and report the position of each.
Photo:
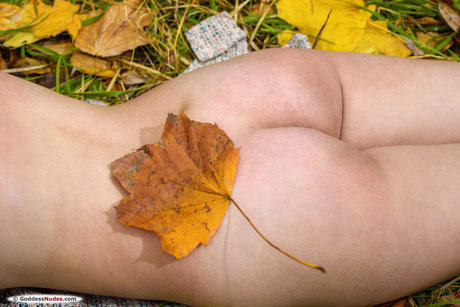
(92, 65)
(132, 77)
(180, 188)
(284, 37)
(46, 21)
(259, 8)
(430, 39)
(29, 66)
(451, 17)
(9, 15)
(2, 63)
(61, 47)
(378, 40)
(427, 21)
(344, 28)
(119, 30)
(348, 29)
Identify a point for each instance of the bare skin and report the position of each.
(348, 161)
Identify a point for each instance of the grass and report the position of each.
(169, 55)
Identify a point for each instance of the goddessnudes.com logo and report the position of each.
(45, 299)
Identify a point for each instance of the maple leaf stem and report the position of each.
(273, 245)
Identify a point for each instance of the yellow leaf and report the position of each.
(92, 65)
(9, 15)
(430, 39)
(119, 30)
(427, 21)
(284, 37)
(32, 66)
(378, 40)
(343, 30)
(74, 27)
(47, 21)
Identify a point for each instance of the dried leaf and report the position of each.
(28, 66)
(134, 77)
(451, 17)
(119, 30)
(179, 188)
(2, 63)
(61, 47)
(9, 15)
(378, 40)
(92, 65)
(430, 39)
(259, 8)
(427, 21)
(47, 21)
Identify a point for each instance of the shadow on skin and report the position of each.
(150, 242)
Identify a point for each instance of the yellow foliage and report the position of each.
(41, 67)
(344, 28)
(284, 37)
(377, 40)
(430, 39)
(46, 21)
(9, 15)
(348, 29)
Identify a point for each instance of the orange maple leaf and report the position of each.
(179, 188)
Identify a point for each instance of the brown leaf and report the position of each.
(451, 17)
(430, 39)
(427, 21)
(180, 188)
(2, 63)
(92, 65)
(259, 8)
(132, 77)
(119, 30)
(62, 47)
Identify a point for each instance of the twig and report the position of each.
(321, 30)
(23, 69)
(147, 69)
(259, 23)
